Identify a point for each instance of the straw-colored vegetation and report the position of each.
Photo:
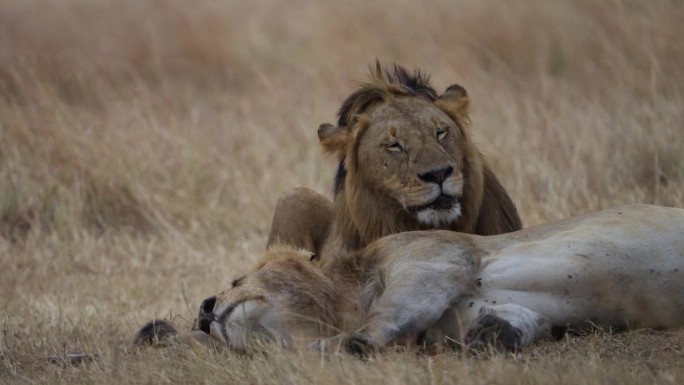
(143, 146)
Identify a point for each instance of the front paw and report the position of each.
(360, 345)
(490, 330)
(157, 332)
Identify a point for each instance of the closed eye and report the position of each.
(395, 147)
(238, 282)
(441, 133)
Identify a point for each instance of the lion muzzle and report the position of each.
(441, 211)
(436, 176)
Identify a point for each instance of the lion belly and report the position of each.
(623, 268)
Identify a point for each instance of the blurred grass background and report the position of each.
(143, 145)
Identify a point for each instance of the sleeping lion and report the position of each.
(620, 268)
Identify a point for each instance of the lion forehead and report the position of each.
(408, 116)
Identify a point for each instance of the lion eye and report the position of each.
(441, 133)
(395, 147)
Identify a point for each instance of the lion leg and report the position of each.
(507, 327)
(412, 297)
(302, 218)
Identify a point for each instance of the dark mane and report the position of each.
(383, 84)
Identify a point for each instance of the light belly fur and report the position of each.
(612, 277)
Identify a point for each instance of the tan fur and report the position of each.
(619, 267)
(302, 219)
(383, 190)
(285, 298)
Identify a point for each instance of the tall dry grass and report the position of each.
(143, 145)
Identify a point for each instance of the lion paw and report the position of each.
(490, 330)
(156, 333)
(360, 345)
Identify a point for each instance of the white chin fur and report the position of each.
(436, 218)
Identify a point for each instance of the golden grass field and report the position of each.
(144, 144)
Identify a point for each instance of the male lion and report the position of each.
(406, 162)
(622, 267)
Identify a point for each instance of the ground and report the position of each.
(144, 144)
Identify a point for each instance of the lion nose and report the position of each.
(436, 176)
(206, 314)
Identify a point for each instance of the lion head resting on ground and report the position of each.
(285, 298)
(407, 162)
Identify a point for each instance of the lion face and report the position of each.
(284, 300)
(412, 153)
(409, 156)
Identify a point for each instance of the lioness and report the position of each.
(407, 162)
(622, 267)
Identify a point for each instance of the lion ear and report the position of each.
(334, 139)
(454, 102)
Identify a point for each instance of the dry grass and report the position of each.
(143, 145)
